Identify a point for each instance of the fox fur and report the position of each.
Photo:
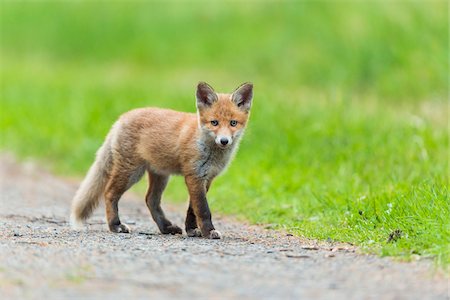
(162, 143)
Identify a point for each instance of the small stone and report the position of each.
(333, 286)
(310, 247)
(297, 256)
(285, 250)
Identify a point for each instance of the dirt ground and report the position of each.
(41, 257)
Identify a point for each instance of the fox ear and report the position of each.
(243, 96)
(205, 95)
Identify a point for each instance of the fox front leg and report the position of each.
(198, 206)
(191, 226)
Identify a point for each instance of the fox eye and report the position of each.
(214, 122)
(233, 123)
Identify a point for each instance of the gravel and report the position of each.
(41, 257)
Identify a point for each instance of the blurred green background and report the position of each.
(348, 138)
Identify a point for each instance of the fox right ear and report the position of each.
(205, 95)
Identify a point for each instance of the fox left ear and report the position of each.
(243, 96)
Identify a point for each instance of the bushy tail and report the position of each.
(91, 189)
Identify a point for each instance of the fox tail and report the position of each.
(92, 188)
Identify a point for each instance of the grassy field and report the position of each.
(348, 138)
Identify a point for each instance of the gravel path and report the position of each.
(40, 257)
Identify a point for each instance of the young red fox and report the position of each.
(165, 142)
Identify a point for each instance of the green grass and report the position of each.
(348, 136)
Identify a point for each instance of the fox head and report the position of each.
(222, 117)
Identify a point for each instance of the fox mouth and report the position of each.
(223, 147)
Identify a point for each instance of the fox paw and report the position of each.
(121, 228)
(194, 232)
(172, 229)
(214, 235)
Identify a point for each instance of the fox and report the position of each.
(163, 142)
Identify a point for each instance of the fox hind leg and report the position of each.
(114, 190)
(119, 183)
(191, 223)
(157, 185)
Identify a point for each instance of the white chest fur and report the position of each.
(213, 160)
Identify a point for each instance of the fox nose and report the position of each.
(224, 141)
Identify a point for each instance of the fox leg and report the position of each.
(153, 199)
(191, 221)
(115, 188)
(124, 176)
(199, 205)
